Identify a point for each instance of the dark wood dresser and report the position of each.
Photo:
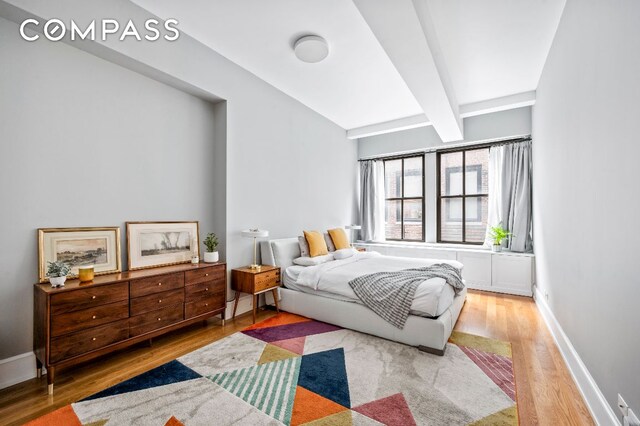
(81, 321)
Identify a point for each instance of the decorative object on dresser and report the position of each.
(98, 246)
(255, 234)
(354, 231)
(83, 321)
(152, 244)
(211, 251)
(255, 282)
(57, 273)
(86, 273)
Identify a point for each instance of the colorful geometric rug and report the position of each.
(295, 371)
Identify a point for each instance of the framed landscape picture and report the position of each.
(152, 244)
(76, 247)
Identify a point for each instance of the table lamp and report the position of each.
(255, 234)
(353, 228)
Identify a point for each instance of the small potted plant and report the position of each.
(57, 272)
(498, 234)
(211, 252)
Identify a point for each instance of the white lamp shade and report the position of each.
(255, 233)
(356, 227)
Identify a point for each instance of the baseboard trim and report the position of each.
(597, 404)
(17, 369)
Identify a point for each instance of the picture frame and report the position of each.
(97, 246)
(155, 244)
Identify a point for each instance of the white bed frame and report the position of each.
(428, 334)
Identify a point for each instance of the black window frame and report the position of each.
(402, 198)
(463, 196)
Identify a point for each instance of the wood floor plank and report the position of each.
(546, 394)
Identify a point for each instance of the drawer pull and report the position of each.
(93, 317)
(159, 319)
(206, 275)
(160, 301)
(206, 304)
(93, 297)
(159, 283)
(93, 339)
(206, 289)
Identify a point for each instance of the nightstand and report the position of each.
(255, 282)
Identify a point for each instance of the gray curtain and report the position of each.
(372, 200)
(510, 192)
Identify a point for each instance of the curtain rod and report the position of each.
(479, 144)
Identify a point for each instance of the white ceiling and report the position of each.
(388, 59)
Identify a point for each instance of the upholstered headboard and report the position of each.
(279, 252)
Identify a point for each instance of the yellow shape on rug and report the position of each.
(273, 353)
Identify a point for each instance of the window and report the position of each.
(463, 197)
(404, 198)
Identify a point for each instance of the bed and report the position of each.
(433, 314)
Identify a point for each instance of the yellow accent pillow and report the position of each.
(317, 245)
(339, 238)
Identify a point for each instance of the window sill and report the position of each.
(439, 246)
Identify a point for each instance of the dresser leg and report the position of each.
(235, 303)
(38, 368)
(255, 306)
(50, 377)
(275, 299)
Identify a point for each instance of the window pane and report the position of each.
(393, 179)
(477, 171)
(476, 219)
(413, 220)
(393, 220)
(451, 173)
(413, 177)
(451, 219)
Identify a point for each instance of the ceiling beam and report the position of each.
(405, 123)
(405, 31)
(503, 103)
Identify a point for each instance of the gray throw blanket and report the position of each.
(390, 294)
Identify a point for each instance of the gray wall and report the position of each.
(586, 203)
(286, 168)
(481, 127)
(89, 143)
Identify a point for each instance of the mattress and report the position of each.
(433, 297)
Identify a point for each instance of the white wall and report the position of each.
(287, 168)
(585, 180)
(88, 143)
(502, 124)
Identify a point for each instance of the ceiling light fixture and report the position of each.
(311, 48)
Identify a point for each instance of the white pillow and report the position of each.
(344, 253)
(313, 261)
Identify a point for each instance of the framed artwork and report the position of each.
(152, 244)
(76, 247)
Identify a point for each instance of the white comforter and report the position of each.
(432, 297)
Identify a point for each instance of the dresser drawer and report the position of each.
(141, 305)
(87, 318)
(267, 280)
(88, 297)
(204, 274)
(157, 284)
(89, 340)
(205, 304)
(154, 320)
(197, 291)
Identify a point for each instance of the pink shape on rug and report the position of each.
(295, 345)
(497, 367)
(392, 410)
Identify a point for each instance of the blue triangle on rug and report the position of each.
(325, 374)
(171, 372)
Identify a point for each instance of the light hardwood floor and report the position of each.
(545, 391)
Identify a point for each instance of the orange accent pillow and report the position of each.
(317, 245)
(339, 238)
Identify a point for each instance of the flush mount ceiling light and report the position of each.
(311, 48)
